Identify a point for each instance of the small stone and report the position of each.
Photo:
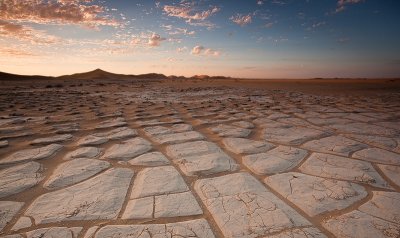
(8, 210)
(53, 139)
(242, 207)
(65, 232)
(338, 145)
(3, 143)
(176, 205)
(280, 159)
(357, 224)
(128, 149)
(157, 130)
(19, 178)
(230, 131)
(246, 146)
(95, 198)
(150, 159)
(316, 195)
(92, 140)
(23, 222)
(378, 155)
(140, 208)
(201, 158)
(32, 154)
(84, 152)
(364, 129)
(177, 137)
(308, 232)
(385, 205)
(115, 122)
(157, 181)
(292, 135)
(181, 127)
(118, 133)
(74, 171)
(392, 172)
(337, 167)
(91, 231)
(195, 228)
(66, 128)
(243, 124)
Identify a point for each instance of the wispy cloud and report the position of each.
(23, 33)
(188, 12)
(192, 13)
(341, 4)
(171, 30)
(15, 52)
(241, 20)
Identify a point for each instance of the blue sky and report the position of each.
(242, 38)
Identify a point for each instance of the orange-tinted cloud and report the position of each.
(188, 12)
(201, 50)
(241, 20)
(79, 12)
(23, 33)
(155, 40)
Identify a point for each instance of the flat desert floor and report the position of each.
(200, 158)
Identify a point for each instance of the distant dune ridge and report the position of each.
(101, 74)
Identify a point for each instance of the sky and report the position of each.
(238, 38)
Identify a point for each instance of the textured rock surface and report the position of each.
(316, 195)
(243, 124)
(336, 167)
(118, 133)
(177, 137)
(157, 181)
(360, 225)
(175, 205)
(291, 135)
(84, 152)
(92, 140)
(32, 154)
(378, 155)
(200, 157)
(52, 139)
(67, 232)
(195, 228)
(392, 172)
(128, 149)
(280, 159)
(242, 207)
(385, 205)
(8, 210)
(100, 197)
(246, 146)
(309, 232)
(19, 178)
(3, 143)
(338, 145)
(74, 171)
(230, 131)
(364, 129)
(203, 159)
(150, 159)
(115, 122)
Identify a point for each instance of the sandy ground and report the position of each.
(316, 158)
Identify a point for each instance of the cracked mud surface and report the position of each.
(162, 160)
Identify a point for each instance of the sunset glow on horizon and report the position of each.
(252, 39)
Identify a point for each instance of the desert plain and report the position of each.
(199, 158)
